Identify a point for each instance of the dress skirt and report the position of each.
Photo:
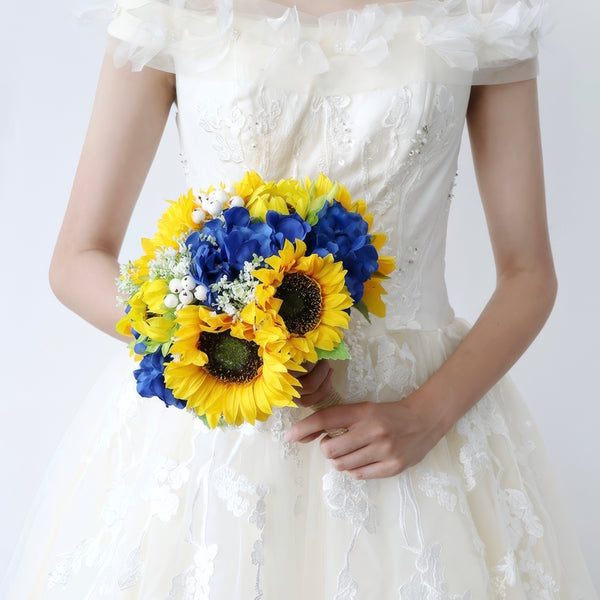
(143, 501)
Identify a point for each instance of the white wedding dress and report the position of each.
(142, 501)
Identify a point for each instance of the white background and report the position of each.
(49, 356)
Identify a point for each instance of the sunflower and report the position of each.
(373, 287)
(146, 313)
(221, 374)
(306, 297)
(176, 220)
(287, 196)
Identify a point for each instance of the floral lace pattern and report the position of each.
(194, 584)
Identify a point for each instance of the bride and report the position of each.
(385, 439)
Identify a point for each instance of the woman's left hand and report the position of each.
(382, 439)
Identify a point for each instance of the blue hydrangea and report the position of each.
(151, 381)
(345, 235)
(286, 227)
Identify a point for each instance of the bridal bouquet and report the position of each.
(239, 289)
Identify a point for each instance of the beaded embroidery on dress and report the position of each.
(144, 502)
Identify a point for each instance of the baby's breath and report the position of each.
(170, 262)
(125, 284)
(211, 239)
(234, 295)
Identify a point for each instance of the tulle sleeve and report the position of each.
(170, 35)
(497, 40)
(508, 48)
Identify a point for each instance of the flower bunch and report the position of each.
(237, 289)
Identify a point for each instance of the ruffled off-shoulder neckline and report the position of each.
(196, 35)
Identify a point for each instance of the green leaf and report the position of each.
(165, 348)
(340, 352)
(314, 208)
(361, 307)
(152, 347)
(378, 275)
(332, 193)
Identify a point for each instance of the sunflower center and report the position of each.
(230, 359)
(301, 303)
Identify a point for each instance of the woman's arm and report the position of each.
(128, 118)
(384, 439)
(503, 123)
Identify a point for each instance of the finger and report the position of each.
(334, 447)
(319, 394)
(333, 417)
(312, 437)
(311, 382)
(376, 470)
(359, 458)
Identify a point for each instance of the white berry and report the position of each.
(175, 285)
(188, 283)
(200, 198)
(213, 204)
(201, 292)
(220, 196)
(171, 300)
(186, 297)
(236, 201)
(198, 216)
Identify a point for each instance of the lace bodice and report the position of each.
(374, 97)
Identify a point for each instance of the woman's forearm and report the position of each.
(510, 321)
(86, 284)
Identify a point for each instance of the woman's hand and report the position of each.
(382, 439)
(316, 384)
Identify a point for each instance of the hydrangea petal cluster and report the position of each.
(345, 235)
(150, 378)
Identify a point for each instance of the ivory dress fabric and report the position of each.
(144, 502)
